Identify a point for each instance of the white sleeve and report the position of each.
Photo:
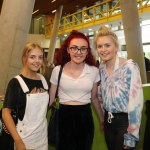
(97, 75)
(54, 75)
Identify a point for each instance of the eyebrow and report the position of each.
(35, 55)
(103, 44)
(78, 46)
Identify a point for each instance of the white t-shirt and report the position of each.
(78, 89)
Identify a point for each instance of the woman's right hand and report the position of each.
(20, 145)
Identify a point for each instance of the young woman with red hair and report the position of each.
(78, 86)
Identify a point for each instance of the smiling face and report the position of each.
(33, 60)
(78, 49)
(107, 48)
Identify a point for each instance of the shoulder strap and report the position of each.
(60, 72)
(43, 81)
(22, 84)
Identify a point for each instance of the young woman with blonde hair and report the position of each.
(121, 91)
(27, 94)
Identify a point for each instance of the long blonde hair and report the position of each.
(28, 47)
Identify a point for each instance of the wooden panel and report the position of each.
(69, 6)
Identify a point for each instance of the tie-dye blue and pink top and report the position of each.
(122, 92)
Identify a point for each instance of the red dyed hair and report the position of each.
(64, 57)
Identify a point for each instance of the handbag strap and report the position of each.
(60, 72)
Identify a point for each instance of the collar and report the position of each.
(116, 65)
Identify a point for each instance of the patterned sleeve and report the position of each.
(135, 106)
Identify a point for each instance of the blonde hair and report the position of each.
(28, 47)
(106, 31)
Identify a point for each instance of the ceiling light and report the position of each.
(53, 1)
(54, 11)
(90, 29)
(106, 25)
(35, 11)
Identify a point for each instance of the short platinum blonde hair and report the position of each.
(106, 31)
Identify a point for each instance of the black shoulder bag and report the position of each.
(53, 135)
